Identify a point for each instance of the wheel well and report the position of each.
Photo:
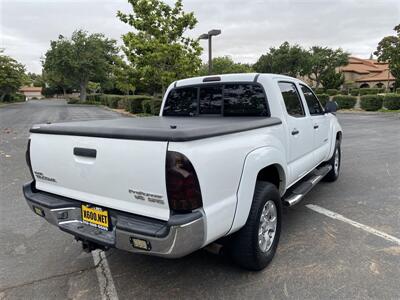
(273, 174)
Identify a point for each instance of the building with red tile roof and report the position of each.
(367, 73)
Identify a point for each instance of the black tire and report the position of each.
(244, 246)
(333, 174)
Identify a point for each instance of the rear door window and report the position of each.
(292, 99)
(313, 104)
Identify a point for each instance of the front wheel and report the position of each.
(254, 246)
(334, 162)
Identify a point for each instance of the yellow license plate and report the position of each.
(95, 216)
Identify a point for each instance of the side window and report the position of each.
(181, 102)
(313, 104)
(292, 99)
(211, 99)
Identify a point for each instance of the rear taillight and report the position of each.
(183, 187)
(28, 158)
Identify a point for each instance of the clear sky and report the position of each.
(249, 27)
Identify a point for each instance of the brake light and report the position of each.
(28, 158)
(183, 187)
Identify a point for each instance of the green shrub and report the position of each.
(391, 101)
(381, 90)
(332, 92)
(323, 98)
(369, 91)
(371, 102)
(73, 100)
(151, 106)
(345, 101)
(134, 103)
(14, 98)
(319, 91)
(354, 92)
(110, 100)
(398, 90)
(93, 98)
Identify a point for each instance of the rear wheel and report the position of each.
(254, 246)
(335, 162)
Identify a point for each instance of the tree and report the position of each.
(35, 80)
(388, 50)
(332, 79)
(225, 65)
(57, 65)
(157, 49)
(323, 61)
(125, 77)
(12, 75)
(81, 59)
(288, 60)
(93, 87)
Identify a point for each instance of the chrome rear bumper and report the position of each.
(179, 236)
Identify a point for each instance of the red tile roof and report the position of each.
(30, 89)
(370, 68)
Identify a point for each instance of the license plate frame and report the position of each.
(95, 216)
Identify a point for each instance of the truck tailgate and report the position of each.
(126, 175)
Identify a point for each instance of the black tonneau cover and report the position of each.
(176, 129)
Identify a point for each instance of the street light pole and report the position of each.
(208, 36)
(209, 54)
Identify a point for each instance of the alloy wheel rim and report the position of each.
(267, 227)
(336, 163)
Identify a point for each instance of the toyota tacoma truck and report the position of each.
(217, 165)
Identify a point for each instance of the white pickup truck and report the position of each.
(217, 164)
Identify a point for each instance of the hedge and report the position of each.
(133, 104)
(323, 98)
(371, 102)
(151, 106)
(345, 102)
(398, 90)
(14, 98)
(332, 92)
(110, 100)
(93, 98)
(73, 100)
(391, 101)
(319, 91)
(368, 91)
(354, 92)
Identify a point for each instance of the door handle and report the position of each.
(316, 126)
(85, 152)
(295, 131)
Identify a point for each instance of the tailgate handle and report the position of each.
(85, 152)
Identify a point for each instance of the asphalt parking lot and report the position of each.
(319, 256)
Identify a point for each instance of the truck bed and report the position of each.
(175, 129)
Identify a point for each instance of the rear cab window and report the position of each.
(221, 99)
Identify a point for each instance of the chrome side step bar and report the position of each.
(295, 195)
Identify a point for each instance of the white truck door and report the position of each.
(300, 133)
(320, 124)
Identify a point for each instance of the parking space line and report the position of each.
(106, 282)
(339, 217)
